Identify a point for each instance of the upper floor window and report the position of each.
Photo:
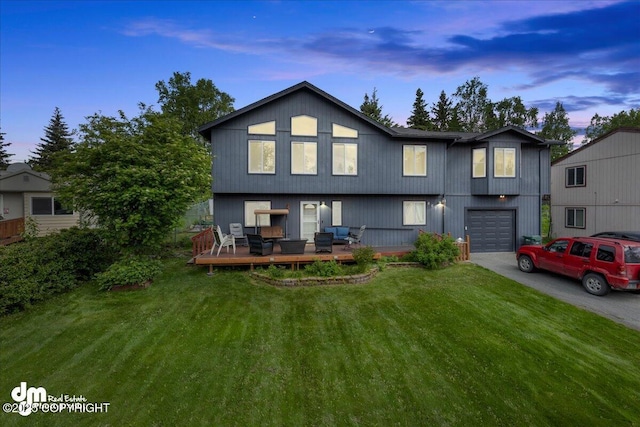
(262, 156)
(266, 128)
(339, 131)
(479, 167)
(414, 161)
(504, 162)
(304, 158)
(345, 159)
(304, 126)
(414, 213)
(574, 217)
(575, 177)
(48, 206)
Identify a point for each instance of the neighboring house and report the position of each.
(25, 193)
(595, 188)
(334, 166)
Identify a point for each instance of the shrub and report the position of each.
(434, 251)
(34, 270)
(363, 257)
(323, 268)
(275, 272)
(129, 271)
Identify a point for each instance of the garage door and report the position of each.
(491, 230)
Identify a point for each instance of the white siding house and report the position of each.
(596, 187)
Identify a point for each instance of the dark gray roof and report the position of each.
(395, 132)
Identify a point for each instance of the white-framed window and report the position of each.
(249, 216)
(504, 162)
(575, 176)
(336, 212)
(414, 213)
(48, 206)
(266, 128)
(345, 159)
(339, 131)
(575, 217)
(479, 166)
(414, 160)
(304, 126)
(262, 156)
(304, 158)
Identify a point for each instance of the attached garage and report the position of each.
(491, 230)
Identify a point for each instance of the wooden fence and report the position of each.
(202, 241)
(11, 230)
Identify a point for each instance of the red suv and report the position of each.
(601, 263)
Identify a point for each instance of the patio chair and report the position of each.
(354, 239)
(257, 245)
(323, 241)
(235, 228)
(222, 241)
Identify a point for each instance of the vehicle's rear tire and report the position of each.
(526, 264)
(595, 284)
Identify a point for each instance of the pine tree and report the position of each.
(57, 138)
(555, 126)
(442, 112)
(419, 118)
(371, 108)
(4, 155)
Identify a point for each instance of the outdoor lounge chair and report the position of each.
(354, 239)
(222, 240)
(324, 242)
(235, 228)
(257, 245)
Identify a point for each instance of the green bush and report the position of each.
(275, 272)
(40, 267)
(433, 251)
(129, 271)
(323, 268)
(363, 257)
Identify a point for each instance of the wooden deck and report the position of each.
(242, 257)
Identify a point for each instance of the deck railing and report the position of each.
(11, 228)
(202, 242)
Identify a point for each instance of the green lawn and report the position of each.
(458, 347)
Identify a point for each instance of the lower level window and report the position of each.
(414, 213)
(574, 217)
(48, 206)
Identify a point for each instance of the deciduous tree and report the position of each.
(135, 177)
(57, 138)
(601, 125)
(473, 103)
(192, 104)
(511, 112)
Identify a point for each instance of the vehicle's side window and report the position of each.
(581, 249)
(559, 246)
(632, 254)
(606, 253)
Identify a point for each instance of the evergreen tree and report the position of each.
(4, 155)
(371, 108)
(555, 126)
(57, 138)
(419, 118)
(442, 112)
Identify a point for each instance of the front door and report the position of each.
(309, 219)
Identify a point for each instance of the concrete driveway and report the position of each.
(621, 307)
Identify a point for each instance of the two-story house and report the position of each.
(595, 187)
(334, 166)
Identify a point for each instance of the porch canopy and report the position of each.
(271, 212)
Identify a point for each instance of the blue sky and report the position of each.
(103, 56)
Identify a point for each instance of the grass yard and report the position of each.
(457, 347)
